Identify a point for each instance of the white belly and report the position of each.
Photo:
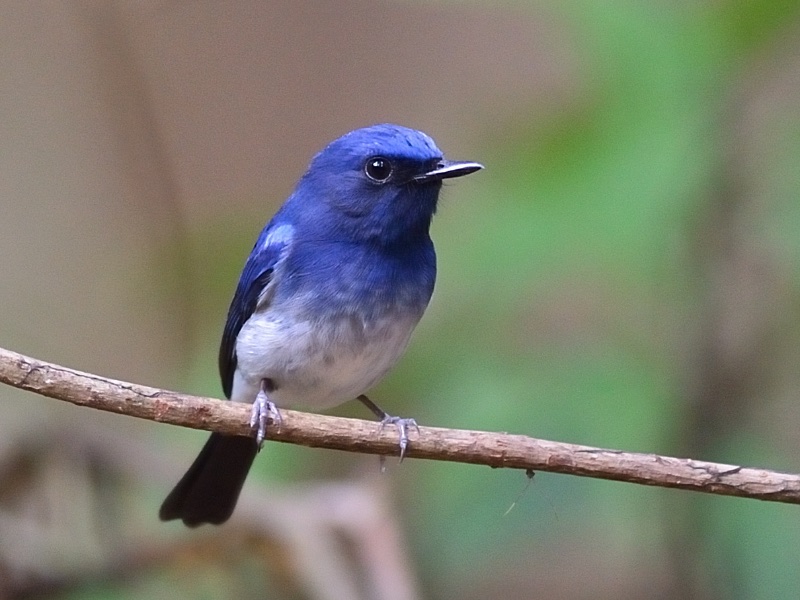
(316, 364)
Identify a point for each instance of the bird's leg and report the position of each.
(387, 419)
(262, 409)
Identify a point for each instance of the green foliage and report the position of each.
(566, 282)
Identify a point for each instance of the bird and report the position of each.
(327, 300)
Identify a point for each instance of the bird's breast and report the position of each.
(318, 361)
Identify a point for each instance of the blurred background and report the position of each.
(625, 273)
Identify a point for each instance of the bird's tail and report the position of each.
(208, 491)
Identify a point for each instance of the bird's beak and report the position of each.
(445, 169)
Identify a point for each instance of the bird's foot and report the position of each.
(402, 424)
(263, 409)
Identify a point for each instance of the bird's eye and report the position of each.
(378, 169)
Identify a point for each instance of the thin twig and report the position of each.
(354, 435)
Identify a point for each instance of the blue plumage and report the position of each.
(255, 278)
(327, 299)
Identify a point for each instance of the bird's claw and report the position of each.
(402, 426)
(262, 409)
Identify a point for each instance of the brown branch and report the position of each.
(353, 435)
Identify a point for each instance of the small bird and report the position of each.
(327, 300)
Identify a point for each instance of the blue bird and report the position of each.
(327, 300)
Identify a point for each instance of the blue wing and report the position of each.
(253, 290)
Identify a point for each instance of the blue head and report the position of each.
(376, 185)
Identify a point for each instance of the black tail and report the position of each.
(208, 491)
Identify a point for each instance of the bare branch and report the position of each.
(354, 435)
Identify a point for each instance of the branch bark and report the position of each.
(354, 435)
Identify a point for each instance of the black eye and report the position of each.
(378, 169)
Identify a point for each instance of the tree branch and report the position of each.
(354, 435)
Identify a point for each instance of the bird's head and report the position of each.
(379, 183)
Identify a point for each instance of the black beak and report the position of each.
(446, 169)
